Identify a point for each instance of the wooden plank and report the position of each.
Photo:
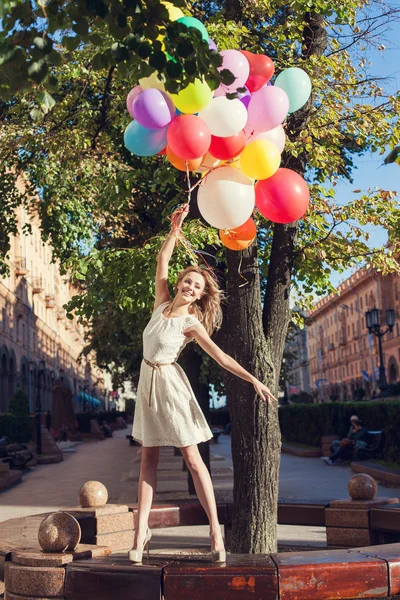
(391, 554)
(114, 578)
(242, 577)
(328, 575)
(385, 518)
(301, 514)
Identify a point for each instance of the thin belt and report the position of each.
(156, 367)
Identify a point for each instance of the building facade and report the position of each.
(344, 356)
(298, 364)
(34, 328)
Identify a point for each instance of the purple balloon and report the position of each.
(245, 97)
(246, 100)
(153, 109)
(212, 45)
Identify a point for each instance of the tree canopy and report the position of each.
(66, 71)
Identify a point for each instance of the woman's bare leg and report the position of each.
(205, 492)
(146, 491)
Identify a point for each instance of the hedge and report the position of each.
(83, 419)
(307, 423)
(17, 429)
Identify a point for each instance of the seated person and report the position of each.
(344, 449)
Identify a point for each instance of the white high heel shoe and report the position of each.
(136, 555)
(218, 556)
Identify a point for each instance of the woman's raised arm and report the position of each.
(201, 336)
(165, 253)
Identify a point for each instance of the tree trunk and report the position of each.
(192, 361)
(256, 339)
(255, 430)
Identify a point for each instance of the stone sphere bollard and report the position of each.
(92, 494)
(59, 532)
(362, 487)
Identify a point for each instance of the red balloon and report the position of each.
(261, 70)
(188, 137)
(225, 148)
(282, 198)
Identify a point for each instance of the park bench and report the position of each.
(216, 433)
(374, 448)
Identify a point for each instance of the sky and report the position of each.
(369, 172)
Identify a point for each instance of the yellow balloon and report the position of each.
(193, 98)
(174, 12)
(153, 81)
(260, 159)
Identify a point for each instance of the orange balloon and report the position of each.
(240, 237)
(180, 163)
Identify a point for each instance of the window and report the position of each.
(366, 299)
(351, 368)
(361, 303)
(348, 329)
(351, 308)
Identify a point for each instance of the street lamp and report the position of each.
(373, 324)
(38, 410)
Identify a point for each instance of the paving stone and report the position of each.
(356, 504)
(123, 540)
(114, 523)
(340, 536)
(45, 559)
(341, 517)
(34, 581)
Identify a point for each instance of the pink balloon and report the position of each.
(131, 97)
(267, 109)
(236, 63)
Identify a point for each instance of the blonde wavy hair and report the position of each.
(208, 308)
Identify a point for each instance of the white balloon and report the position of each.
(226, 198)
(224, 117)
(276, 135)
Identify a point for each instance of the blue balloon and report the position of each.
(144, 142)
(297, 85)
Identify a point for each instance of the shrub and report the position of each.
(17, 429)
(307, 423)
(19, 404)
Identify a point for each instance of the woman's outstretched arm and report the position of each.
(165, 253)
(201, 336)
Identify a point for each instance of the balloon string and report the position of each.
(246, 281)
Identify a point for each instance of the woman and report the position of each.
(167, 412)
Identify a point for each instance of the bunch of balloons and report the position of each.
(235, 143)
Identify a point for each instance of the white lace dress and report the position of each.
(167, 412)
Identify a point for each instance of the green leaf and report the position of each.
(37, 71)
(46, 102)
(71, 42)
(99, 62)
(55, 58)
(36, 114)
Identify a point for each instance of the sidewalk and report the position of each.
(48, 488)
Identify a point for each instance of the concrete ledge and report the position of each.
(377, 471)
(299, 451)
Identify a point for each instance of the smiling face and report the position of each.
(191, 288)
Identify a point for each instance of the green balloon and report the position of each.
(297, 85)
(193, 22)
